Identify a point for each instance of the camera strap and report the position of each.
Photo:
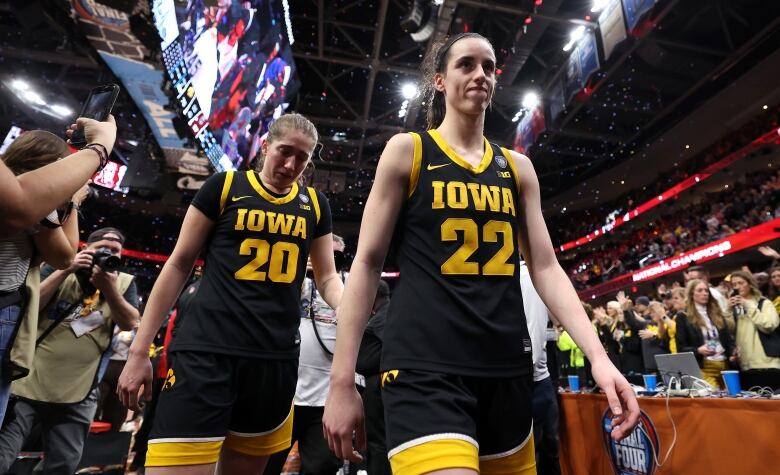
(314, 323)
(89, 305)
(60, 317)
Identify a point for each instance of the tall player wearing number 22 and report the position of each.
(229, 392)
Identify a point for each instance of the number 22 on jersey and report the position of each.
(458, 263)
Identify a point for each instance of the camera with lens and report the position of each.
(106, 260)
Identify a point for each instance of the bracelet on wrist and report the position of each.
(102, 152)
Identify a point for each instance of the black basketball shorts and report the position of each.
(437, 421)
(209, 400)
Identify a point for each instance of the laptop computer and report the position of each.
(678, 365)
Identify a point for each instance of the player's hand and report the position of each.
(620, 397)
(136, 378)
(344, 417)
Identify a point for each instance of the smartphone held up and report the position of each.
(97, 106)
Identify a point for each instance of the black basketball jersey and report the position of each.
(458, 308)
(248, 303)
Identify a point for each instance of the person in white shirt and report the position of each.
(318, 340)
(545, 404)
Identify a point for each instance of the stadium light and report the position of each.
(20, 85)
(599, 5)
(34, 97)
(61, 110)
(530, 100)
(409, 91)
(575, 36)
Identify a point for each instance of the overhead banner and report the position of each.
(635, 9)
(748, 238)
(612, 26)
(583, 62)
(528, 129)
(142, 81)
(555, 99)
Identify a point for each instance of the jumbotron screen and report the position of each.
(232, 69)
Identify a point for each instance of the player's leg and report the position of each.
(192, 415)
(262, 419)
(431, 423)
(505, 425)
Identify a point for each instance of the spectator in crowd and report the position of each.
(774, 287)
(21, 253)
(318, 339)
(606, 322)
(80, 306)
(110, 408)
(754, 314)
(701, 273)
(677, 302)
(658, 335)
(368, 364)
(635, 317)
(544, 404)
(29, 197)
(575, 363)
(705, 330)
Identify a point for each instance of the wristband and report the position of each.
(102, 152)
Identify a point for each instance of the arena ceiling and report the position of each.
(354, 57)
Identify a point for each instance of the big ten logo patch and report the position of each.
(637, 453)
(170, 380)
(389, 376)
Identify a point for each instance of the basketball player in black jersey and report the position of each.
(457, 381)
(228, 395)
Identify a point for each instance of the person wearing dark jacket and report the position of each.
(706, 331)
(635, 320)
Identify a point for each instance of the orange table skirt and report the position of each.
(714, 436)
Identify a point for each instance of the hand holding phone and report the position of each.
(98, 107)
(103, 133)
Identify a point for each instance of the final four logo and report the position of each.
(634, 454)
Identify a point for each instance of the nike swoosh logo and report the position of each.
(434, 167)
(236, 198)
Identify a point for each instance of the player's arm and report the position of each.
(343, 409)
(326, 277)
(194, 231)
(558, 294)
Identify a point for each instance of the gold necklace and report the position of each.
(90, 303)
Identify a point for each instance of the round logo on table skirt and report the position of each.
(634, 454)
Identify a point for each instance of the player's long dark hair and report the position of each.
(436, 62)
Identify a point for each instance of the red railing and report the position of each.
(772, 136)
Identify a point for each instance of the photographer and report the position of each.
(80, 307)
(27, 198)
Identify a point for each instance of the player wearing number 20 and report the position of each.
(228, 395)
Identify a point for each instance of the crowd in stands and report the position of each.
(739, 207)
(731, 326)
(573, 225)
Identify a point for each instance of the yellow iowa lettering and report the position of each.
(277, 223)
(482, 197)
